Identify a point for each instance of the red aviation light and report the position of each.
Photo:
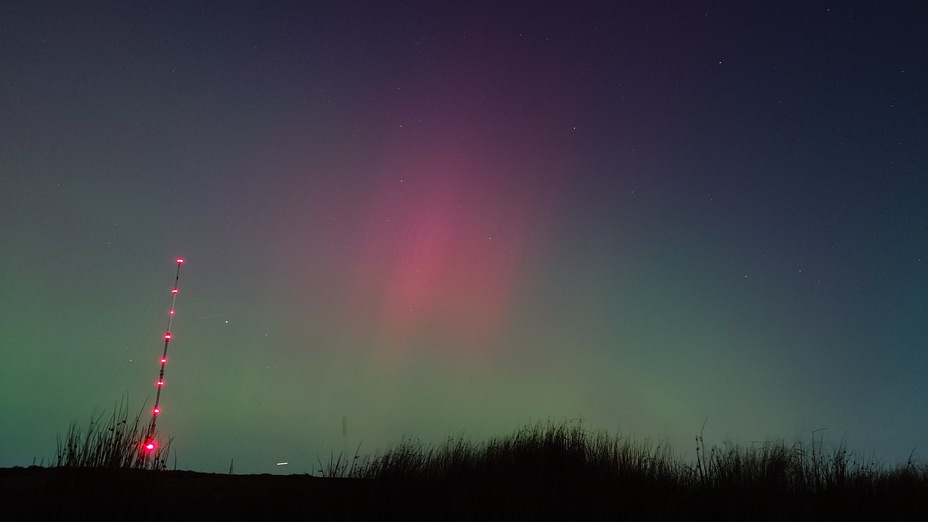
(180, 261)
(167, 336)
(164, 360)
(171, 312)
(174, 291)
(149, 445)
(156, 410)
(159, 383)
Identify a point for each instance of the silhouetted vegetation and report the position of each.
(115, 443)
(565, 470)
(541, 472)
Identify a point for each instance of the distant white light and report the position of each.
(282, 463)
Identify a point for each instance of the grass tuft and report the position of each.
(114, 443)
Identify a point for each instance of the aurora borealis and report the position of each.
(426, 220)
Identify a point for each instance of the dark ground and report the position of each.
(37, 493)
(96, 494)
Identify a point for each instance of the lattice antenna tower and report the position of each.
(150, 444)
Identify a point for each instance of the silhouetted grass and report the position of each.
(115, 443)
(554, 471)
(564, 470)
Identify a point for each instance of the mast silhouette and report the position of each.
(149, 443)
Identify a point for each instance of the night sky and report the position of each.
(431, 220)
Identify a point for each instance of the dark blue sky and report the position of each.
(428, 219)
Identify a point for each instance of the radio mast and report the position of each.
(150, 444)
